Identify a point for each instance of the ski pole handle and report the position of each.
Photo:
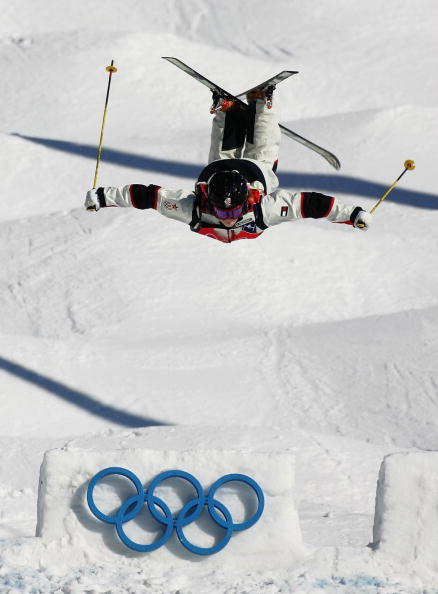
(109, 69)
(409, 165)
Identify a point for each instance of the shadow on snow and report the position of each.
(79, 399)
(335, 183)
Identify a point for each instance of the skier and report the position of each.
(236, 195)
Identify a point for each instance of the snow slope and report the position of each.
(322, 334)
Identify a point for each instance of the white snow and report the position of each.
(316, 340)
(406, 507)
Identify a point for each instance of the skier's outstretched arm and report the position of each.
(281, 206)
(175, 204)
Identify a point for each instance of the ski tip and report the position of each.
(332, 160)
(173, 60)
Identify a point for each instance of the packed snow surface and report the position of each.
(317, 340)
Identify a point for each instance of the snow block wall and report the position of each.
(65, 522)
(406, 517)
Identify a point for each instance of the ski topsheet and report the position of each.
(272, 82)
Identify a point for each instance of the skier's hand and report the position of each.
(363, 220)
(92, 201)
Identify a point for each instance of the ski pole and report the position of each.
(109, 69)
(409, 165)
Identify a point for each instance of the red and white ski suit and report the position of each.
(252, 149)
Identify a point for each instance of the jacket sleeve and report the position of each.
(175, 204)
(282, 206)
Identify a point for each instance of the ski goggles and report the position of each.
(229, 213)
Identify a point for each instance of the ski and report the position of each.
(328, 156)
(271, 82)
(219, 92)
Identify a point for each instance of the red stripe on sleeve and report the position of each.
(302, 205)
(332, 201)
(132, 198)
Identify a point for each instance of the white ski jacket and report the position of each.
(264, 210)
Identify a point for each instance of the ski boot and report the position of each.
(221, 103)
(265, 94)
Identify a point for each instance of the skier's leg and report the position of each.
(228, 135)
(263, 137)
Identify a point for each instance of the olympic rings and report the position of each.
(161, 512)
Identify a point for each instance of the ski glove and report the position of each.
(92, 200)
(363, 220)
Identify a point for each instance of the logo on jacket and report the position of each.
(170, 205)
(250, 227)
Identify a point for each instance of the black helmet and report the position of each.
(227, 189)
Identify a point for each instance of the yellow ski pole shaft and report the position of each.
(408, 166)
(109, 69)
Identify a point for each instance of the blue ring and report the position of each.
(244, 479)
(178, 474)
(143, 548)
(228, 525)
(123, 472)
